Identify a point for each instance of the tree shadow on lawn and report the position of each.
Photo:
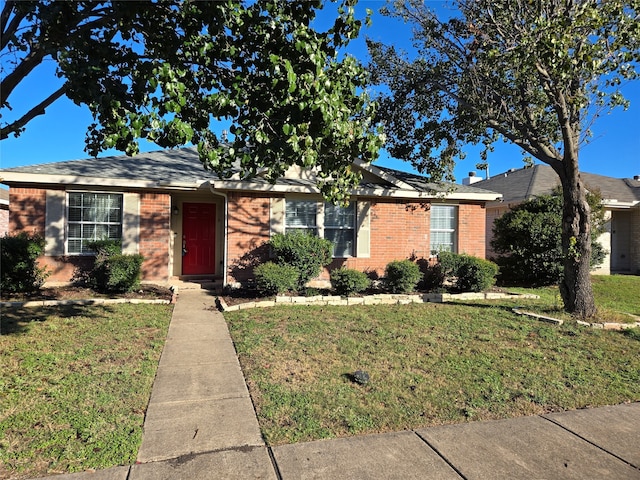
(16, 320)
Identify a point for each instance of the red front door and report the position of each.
(198, 239)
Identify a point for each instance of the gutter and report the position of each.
(225, 247)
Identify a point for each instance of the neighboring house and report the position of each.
(4, 211)
(620, 198)
(188, 223)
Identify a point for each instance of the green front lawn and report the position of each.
(74, 385)
(428, 364)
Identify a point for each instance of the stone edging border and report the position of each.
(388, 299)
(398, 299)
(600, 325)
(89, 301)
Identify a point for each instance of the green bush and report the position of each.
(18, 263)
(467, 273)
(112, 270)
(475, 274)
(528, 240)
(304, 251)
(272, 278)
(117, 273)
(346, 281)
(402, 276)
(106, 247)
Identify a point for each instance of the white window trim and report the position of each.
(320, 221)
(66, 219)
(455, 231)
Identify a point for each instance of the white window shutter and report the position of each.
(363, 245)
(131, 223)
(277, 215)
(54, 222)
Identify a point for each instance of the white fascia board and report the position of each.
(613, 204)
(74, 180)
(367, 192)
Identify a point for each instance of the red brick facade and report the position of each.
(398, 230)
(27, 210)
(27, 214)
(248, 229)
(155, 230)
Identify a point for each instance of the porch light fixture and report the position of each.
(176, 210)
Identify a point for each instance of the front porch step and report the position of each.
(196, 284)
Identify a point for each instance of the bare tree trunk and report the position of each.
(575, 287)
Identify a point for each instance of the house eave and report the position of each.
(365, 192)
(16, 178)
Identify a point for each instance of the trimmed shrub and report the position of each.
(117, 273)
(304, 251)
(18, 263)
(467, 273)
(272, 278)
(346, 281)
(475, 274)
(112, 270)
(402, 276)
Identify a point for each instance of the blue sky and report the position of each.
(59, 134)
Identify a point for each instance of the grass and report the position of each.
(429, 364)
(74, 385)
(616, 299)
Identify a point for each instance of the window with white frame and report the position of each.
(340, 228)
(334, 222)
(92, 216)
(301, 215)
(444, 223)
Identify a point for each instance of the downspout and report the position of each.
(226, 236)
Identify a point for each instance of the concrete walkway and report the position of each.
(200, 424)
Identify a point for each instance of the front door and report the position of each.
(198, 239)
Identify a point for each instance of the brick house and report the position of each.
(188, 223)
(620, 199)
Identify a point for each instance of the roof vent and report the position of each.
(636, 178)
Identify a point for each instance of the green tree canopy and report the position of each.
(533, 73)
(168, 71)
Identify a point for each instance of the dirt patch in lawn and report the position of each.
(150, 292)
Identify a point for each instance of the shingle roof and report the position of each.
(423, 184)
(183, 166)
(179, 165)
(524, 183)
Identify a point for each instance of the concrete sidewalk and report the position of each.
(200, 424)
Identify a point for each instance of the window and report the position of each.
(93, 216)
(301, 215)
(333, 222)
(444, 221)
(339, 227)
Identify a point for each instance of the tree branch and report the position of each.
(39, 109)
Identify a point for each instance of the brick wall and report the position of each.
(27, 210)
(248, 229)
(27, 213)
(399, 230)
(471, 230)
(155, 216)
